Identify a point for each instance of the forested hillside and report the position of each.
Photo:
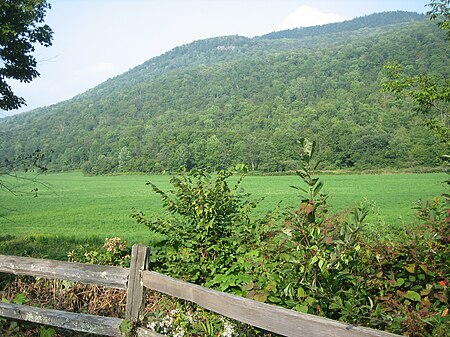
(227, 100)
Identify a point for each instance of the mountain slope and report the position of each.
(228, 100)
(368, 21)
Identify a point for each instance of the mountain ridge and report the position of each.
(366, 21)
(240, 42)
(178, 51)
(221, 101)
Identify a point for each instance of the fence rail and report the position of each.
(108, 276)
(137, 278)
(108, 326)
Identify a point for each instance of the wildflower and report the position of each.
(152, 326)
(228, 329)
(166, 322)
(115, 245)
(179, 332)
(190, 317)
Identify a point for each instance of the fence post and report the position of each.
(135, 289)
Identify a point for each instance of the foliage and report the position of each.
(181, 318)
(8, 328)
(114, 252)
(164, 314)
(222, 101)
(374, 20)
(415, 296)
(412, 278)
(46, 332)
(22, 27)
(440, 9)
(306, 171)
(323, 267)
(126, 327)
(321, 263)
(430, 93)
(308, 260)
(305, 264)
(206, 218)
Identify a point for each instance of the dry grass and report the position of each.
(72, 297)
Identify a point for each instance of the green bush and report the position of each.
(204, 227)
(114, 252)
(307, 260)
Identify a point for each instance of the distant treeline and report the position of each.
(368, 21)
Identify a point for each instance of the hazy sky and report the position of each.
(98, 39)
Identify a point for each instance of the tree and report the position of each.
(22, 26)
(440, 9)
(430, 92)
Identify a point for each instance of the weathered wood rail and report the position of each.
(137, 278)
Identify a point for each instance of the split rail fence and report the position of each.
(137, 278)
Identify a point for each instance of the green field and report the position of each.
(82, 207)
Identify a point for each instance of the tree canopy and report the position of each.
(429, 91)
(440, 9)
(222, 101)
(22, 26)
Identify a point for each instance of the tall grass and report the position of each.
(80, 207)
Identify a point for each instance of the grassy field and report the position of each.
(84, 207)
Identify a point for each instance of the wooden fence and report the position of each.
(137, 278)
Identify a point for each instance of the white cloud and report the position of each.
(305, 16)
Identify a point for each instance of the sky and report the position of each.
(99, 39)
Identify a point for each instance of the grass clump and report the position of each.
(54, 247)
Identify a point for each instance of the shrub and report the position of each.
(114, 252)
(202, 232)
(311, 261)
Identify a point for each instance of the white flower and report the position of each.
(190, 318)
(179, 332)
(228, 329)
(166, 321)
(152, 326)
